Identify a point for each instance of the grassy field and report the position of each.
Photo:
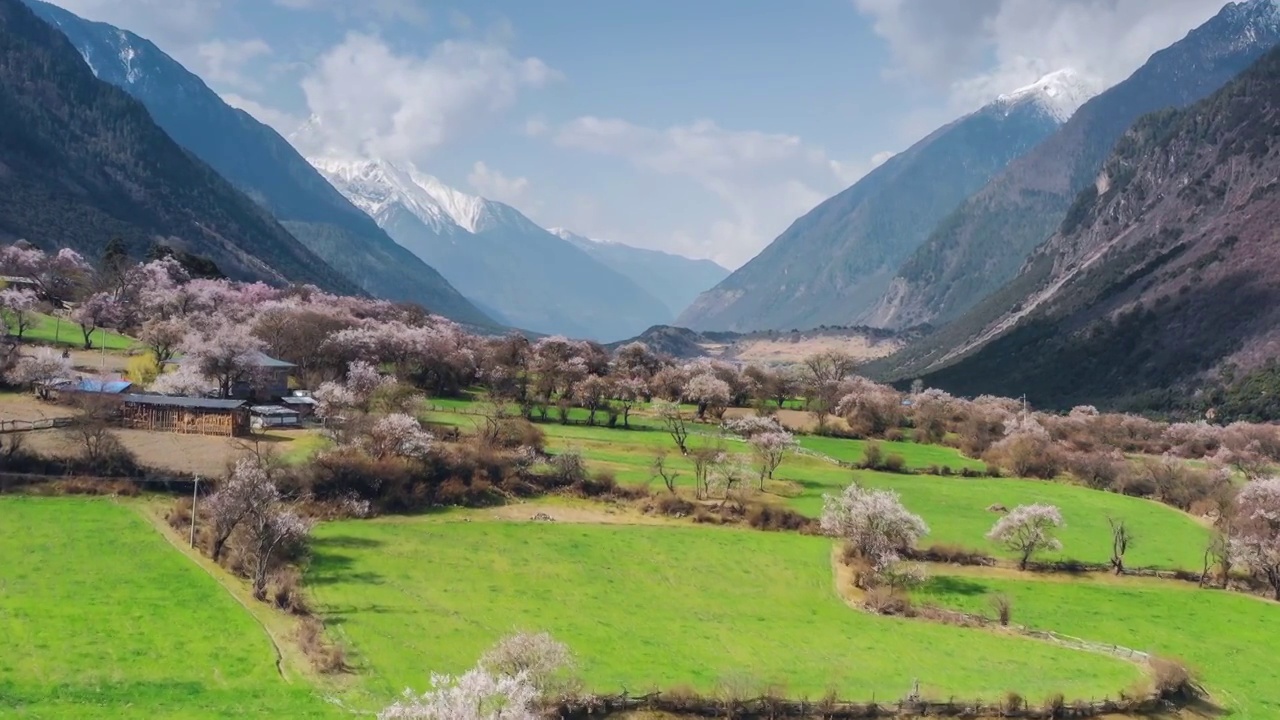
(47, 329)
(101, 617)
(1229, 638)
(955, 507)
(651, 606)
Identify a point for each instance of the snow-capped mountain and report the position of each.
(674, 279)
(1059, 93)
(509, 265)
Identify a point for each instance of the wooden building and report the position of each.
(269, 379)
(186, 415)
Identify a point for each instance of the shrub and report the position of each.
(884, 601)
(1003, 606)
(673, 505)
(894, 435)
(1172, 679)
(769, 517)
(325, 657)
(1097, 470)
(285, 592)
(895, 463)
(872, 456)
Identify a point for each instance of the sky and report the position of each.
(700, 127)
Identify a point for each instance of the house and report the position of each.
(186, 415)
(264, 416)
(301, 401)
(270, 378)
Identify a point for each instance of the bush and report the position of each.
(769, 517)
(673, 505)
(1003, 606)
(325, 657)
(601, 484)
(895, 463)
(872, 456)
(284, 588)
(1172, 679)
(894, 435)
(884, 601)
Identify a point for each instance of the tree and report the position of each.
(874, 522)
(658, 468)
(163, 337)
(475, 695)
(268, 528)
(1027, 530)
(1255, 539)
(673, 420)
(39, 371)
(704, 460)
(770, 449)
(629, 392)
(248, 486)
(1121, 539)
(226, 353)
(729, 475)
(398, 435)
(186, 381)
(17, 310)
(709, 393)
(591, 393)
(100, 310)
(539, 658)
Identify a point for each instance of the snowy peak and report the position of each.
(575, 238)
(1059, 93)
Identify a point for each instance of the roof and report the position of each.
(103, 386)
(187, 402)
(258, 359)
(298, 400)
(272, 410)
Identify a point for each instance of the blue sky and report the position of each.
(702, 127)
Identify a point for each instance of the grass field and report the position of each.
(101, 617)
(955, 507)
(1229, 638)
(47, 329)
(651, 606)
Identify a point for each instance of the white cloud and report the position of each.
(413, 12)
(881, 157)
(492, 184)
(224, 61)
(763, 180)
(375, 102)
(977, 49)
(536, 126)
(283, 122)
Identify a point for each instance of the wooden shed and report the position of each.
(186, 415)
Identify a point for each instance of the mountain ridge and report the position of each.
(261, 163)
(832, 264)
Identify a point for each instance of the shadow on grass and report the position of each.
(950, 585)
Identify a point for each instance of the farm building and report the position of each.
(271, 378)
(261, 416)
(186, 415)
(301, 401)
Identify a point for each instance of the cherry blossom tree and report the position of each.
(398, 435)
(100, 310)
(17, 310)
(636, 360)
(57, 278)
(546, 663)
(1027, 530)
(268, 528)
(163, 337)
(629, 392)
(874, 522)
(247, 487)
(477, 694)
(185, 381)
(1255, 534)
(870, 409)
(591, 394)
(226, 353)
(709, 393)
(39, 370)
(770, 449)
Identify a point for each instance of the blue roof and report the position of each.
(103, 386)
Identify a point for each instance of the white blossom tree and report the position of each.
(17, 308)
(398, 435)
(270, 527)
(543, 661)
(1027, 530)
(709, 393)
(874, 522)
(1255, 536)
(247, 487)
(477, 694)
(770, 449)
(39, 371)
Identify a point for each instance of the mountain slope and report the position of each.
(673, 279)
(261, 163)
(82, 162)
(831, 265)
(494, 254)
(1167, 267)
(981, 245)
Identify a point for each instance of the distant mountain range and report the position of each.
(981, 245)
(510, 266)
(674, 280)
(1165, 268)
(82, 162)
(832, 265)
(260, 163)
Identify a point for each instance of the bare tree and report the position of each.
(674, 421)
(659, 469)
(1121, 539)
(704, 460)
(770, 449)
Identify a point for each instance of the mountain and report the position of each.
(492, 253)
(262, 164)
(980, 246)
(82, 162)
(674, 279)
(1166, 267)
(833, 264)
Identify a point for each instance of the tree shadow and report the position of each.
(950, 585)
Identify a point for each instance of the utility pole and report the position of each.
(195, 489)
(1024, 407)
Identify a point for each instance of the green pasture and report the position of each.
(954, 507)
(100, 617)
(1229, 638)
(647, 607)
(48, 329)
